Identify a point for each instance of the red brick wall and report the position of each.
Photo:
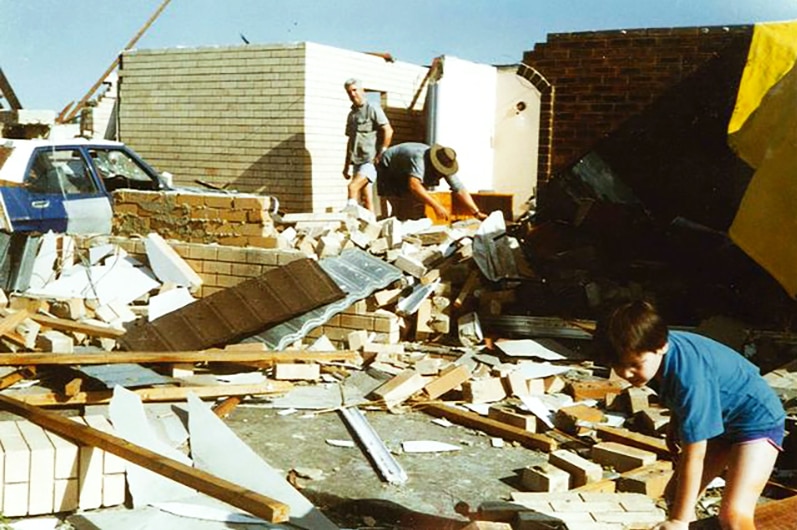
(601, 78)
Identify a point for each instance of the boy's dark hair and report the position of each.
(629, 328)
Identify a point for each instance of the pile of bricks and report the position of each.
(43, 473)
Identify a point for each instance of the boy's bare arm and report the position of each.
(689, 476)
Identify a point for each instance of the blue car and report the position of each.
(65, 186)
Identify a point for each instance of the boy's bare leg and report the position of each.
(749, 466)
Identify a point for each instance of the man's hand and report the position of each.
(441, 212)
(346, 174)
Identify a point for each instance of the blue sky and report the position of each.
(53, 51)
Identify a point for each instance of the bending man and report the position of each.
(415, 167)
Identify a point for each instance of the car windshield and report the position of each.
(114, 163)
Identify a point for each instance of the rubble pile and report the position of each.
(394, 309)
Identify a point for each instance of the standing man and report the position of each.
(415, 167)
(369, 133)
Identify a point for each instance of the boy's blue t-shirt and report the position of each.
(713, 390)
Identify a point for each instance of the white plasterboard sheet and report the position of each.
(168, 265)
(427, 446)
(42, 271)
(130, 422)
(533, 370)
(528, 348)
(168, 301)
(217, 450)
(118, 282)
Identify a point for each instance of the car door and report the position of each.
(61, 194)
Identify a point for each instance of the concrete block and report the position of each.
(401, 387)
(545, 477)
(450, 378)
(527, 422)
(620, 456)
(649, 480)
(41, 481)
(577, 418)
(486, 390)
(581, 470)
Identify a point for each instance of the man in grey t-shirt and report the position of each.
(414, 167)
(369, 133)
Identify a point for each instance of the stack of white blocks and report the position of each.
(43, 473)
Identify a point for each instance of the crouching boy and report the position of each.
(727, 418)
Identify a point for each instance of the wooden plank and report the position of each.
(64, 324)
(153, 394)
(491, 427)
(634, 439)
(240, 497)
(228, 356)
(12, 320)
(26, 372)
(777, 515)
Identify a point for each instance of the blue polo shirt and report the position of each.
(713, 390)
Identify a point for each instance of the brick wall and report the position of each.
(257, 118)
(227, 219)
(599, 79)
(219, 266)
(231, 116)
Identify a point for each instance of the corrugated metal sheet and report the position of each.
(357, 273)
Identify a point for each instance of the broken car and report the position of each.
(65, 186)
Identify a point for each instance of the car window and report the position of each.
(113, 163)
(60, 171)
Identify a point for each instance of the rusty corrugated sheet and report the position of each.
(232, 314)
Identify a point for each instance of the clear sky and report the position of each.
(53, 51)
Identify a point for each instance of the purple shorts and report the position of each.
(773, 436)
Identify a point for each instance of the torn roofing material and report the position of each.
(232, 314)
(357, 273)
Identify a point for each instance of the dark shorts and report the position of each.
(774, 435)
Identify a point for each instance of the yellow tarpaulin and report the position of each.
(763, 132)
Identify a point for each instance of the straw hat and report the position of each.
(444, 160)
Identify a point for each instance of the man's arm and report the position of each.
(466, 199)
(384, 137)
(419, 192)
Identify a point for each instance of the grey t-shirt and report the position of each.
(362, 126)
(401, 161)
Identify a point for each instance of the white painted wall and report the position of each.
(463, 117)
(517, 137)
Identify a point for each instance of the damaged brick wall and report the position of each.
(267, 119)
(227, 219)
(220, 267)
(601, 78)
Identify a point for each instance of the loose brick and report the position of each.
(581, 470)
(621, 457)
(545, 477)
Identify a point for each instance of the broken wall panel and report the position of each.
(602, 78)
(675, 156)
(224, 316)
